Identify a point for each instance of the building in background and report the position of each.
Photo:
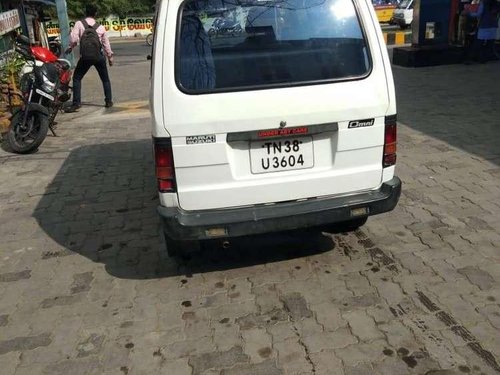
(10, 20)
(385, 9)
(31, 15)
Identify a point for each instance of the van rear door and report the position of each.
(271, 101)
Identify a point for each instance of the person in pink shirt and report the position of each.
(83, 65)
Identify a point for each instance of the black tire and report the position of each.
(149, 39)
(17, 140)
(348, 226)
(178, 248)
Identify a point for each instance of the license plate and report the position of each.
(279, 155)
(43, 93)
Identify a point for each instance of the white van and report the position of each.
(403, 14)
(285, 121)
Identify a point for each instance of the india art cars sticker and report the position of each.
(199, 139)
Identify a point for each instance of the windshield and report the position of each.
(243, 44)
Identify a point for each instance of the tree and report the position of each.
(122, 8)
(76, 8)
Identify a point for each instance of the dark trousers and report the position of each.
(482, 50)
(81, 69)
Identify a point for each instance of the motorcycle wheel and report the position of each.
(149, 39)
(20, 139)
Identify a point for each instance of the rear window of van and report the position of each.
(251, 44)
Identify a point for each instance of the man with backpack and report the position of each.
(94, 49)
(487, 15)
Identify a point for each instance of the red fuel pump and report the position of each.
(435, 26)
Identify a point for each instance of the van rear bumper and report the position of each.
(196, 225)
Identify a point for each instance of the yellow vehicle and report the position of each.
(384, 10)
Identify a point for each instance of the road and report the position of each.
(130, 56)
(84, 291)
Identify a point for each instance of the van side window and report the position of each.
(260, 43)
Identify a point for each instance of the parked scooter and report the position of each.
(44, 87)
(44, 56)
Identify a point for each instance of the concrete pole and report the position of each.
(415, 24)
(62, 15)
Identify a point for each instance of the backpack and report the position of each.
(90, 43)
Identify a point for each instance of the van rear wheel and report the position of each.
(348, 226)
(178, 248)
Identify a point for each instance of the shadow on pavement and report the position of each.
(457, 104)
(102, 205)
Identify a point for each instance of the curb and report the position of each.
(127, 40)
(397, 38)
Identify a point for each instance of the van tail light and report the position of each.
(164, 163)
(390, 141)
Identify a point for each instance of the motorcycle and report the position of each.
(44, 87)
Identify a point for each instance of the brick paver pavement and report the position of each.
(84, 291)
